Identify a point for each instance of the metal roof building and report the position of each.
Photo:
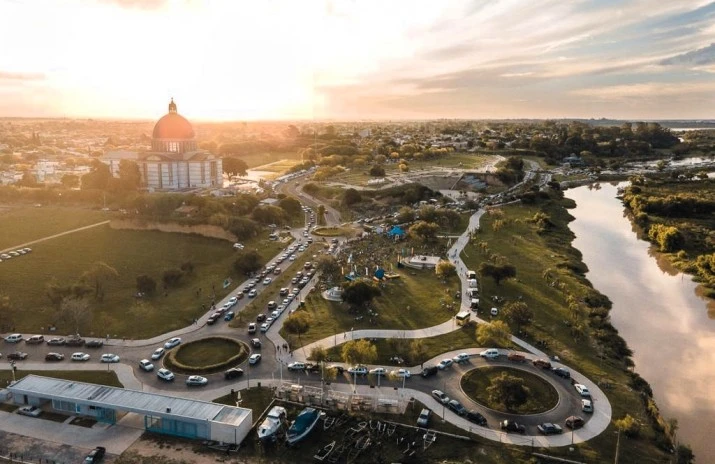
(162, 413)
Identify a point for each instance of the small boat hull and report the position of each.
(303, 425)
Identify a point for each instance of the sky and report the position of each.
(366, 59)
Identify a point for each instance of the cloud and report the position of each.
(646, 90)
(20, 76)
(700, 57)
(138, 4)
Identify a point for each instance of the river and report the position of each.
(656, 310)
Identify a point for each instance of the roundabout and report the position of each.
(207, 355)
(518, 391)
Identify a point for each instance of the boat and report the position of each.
(302, 425)
(271, 424)
(324, 452)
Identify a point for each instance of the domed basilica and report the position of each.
(174, 161)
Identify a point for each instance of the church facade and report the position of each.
(174, 162)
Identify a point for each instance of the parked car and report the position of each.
(232, 301)
(56, 341)
(477, 418)
(490, 353)
(13, 338)
(157, 354)
(109, 358)
(574, 422)
(378, 371)
(542, 363)
(35, 340)
(75, 341)
(196, 381)
(255, 358)
(587, 406)
(296, 366)
(512, 426)
(213, 318)
(252, 293)
(252, 328)
(176, 341)
(54, 357)
(547, 428)
(146, 365)
(582, 390)
(440, 396)
(562, 372)
(95, 455)
(423, 419)
(457, 407)
(264, 327)
(400, 373)
(233, 373)
(461, 358)
(17, 356)
(32, 411)
(79, 356)
(429, 371)
(516, 357)
(260, 318)
(165, 374)
(284, 291)
(94, 344)
(357, 370)
(445, 363)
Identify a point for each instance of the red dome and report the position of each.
(173, 126)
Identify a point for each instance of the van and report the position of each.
(472, 283)
(423, 419)
(13, 338)
(471, 275)
(474, 304)
(473, 293)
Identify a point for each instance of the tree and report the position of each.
(247, 261)
(628, 425)
(418, 350)
(321, 215)
(268, 214)
(351, 196)
(70, 181)
(359, 292)
(76, 313)
(234, 166)
(498, 272)
(493, 333)
(98, 178)
(445, 269)
(146, 284)
(668, 238)
(518, 314)
(404, 167)
(685, 455)
(359, 352)
(318, 354)
(377, 171)
(424, 231)
(99, 273)
(172, 277)
(406, 214)
(508, 390)
(297, 323)
(328, 267)
(129, 176)
(291, 206)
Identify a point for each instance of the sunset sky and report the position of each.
(340, 59)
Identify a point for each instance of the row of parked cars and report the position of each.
(14, 254)
(72, 340)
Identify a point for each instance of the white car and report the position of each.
(491, 353)
(252, 293)
(176, 341)
(586, 406)
(13, 338)
(445, 363)
(254, 358)
(165, 374)
(146, 365)
(357, 370)
(440, 396)
(238, 246)
(267, 281)
(292, 258)
(157, 354)
(296, 366)
(582, 390)
(264, 327)
(80, 356)
(400, 373)
(378, 371)
(31, 411)
(232, 301)
(109, 358)
(196, 381)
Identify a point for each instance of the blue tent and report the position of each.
(396, 231)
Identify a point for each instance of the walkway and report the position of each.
(22, 245)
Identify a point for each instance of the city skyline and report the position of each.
(221, 60)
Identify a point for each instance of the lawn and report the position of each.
(207, 351)
(108, 378)
(130, 253)
(280, 166)
(413, 301)
(27, 223)
(259, 159)
(333, 231)
(542, 396)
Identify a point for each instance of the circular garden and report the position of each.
(207, 355)
(508, 390)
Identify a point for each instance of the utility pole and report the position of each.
(618, 445)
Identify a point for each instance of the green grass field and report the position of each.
(131, 253)
(207, 351)
(28, 223)
(259, 159)
(542, 396)
(411, 302)
(105, 377)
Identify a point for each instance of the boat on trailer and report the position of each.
(303, 425)
(272, 423)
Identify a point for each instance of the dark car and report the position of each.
(95, 455)
(94, 344)
(542, 363)
(547, 428)
(54, 357)
(429, 371)
(17, 356)
(477, 418)
(338, 369)
(562, 372)
(75, 341)
(457, 407)
(512, 426)
(213, 318)
(260, 318)
(233, 373)
(574, 422)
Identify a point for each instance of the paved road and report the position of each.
(22, 245)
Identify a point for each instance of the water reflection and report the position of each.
(663, 318)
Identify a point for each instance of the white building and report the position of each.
(175, 161)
